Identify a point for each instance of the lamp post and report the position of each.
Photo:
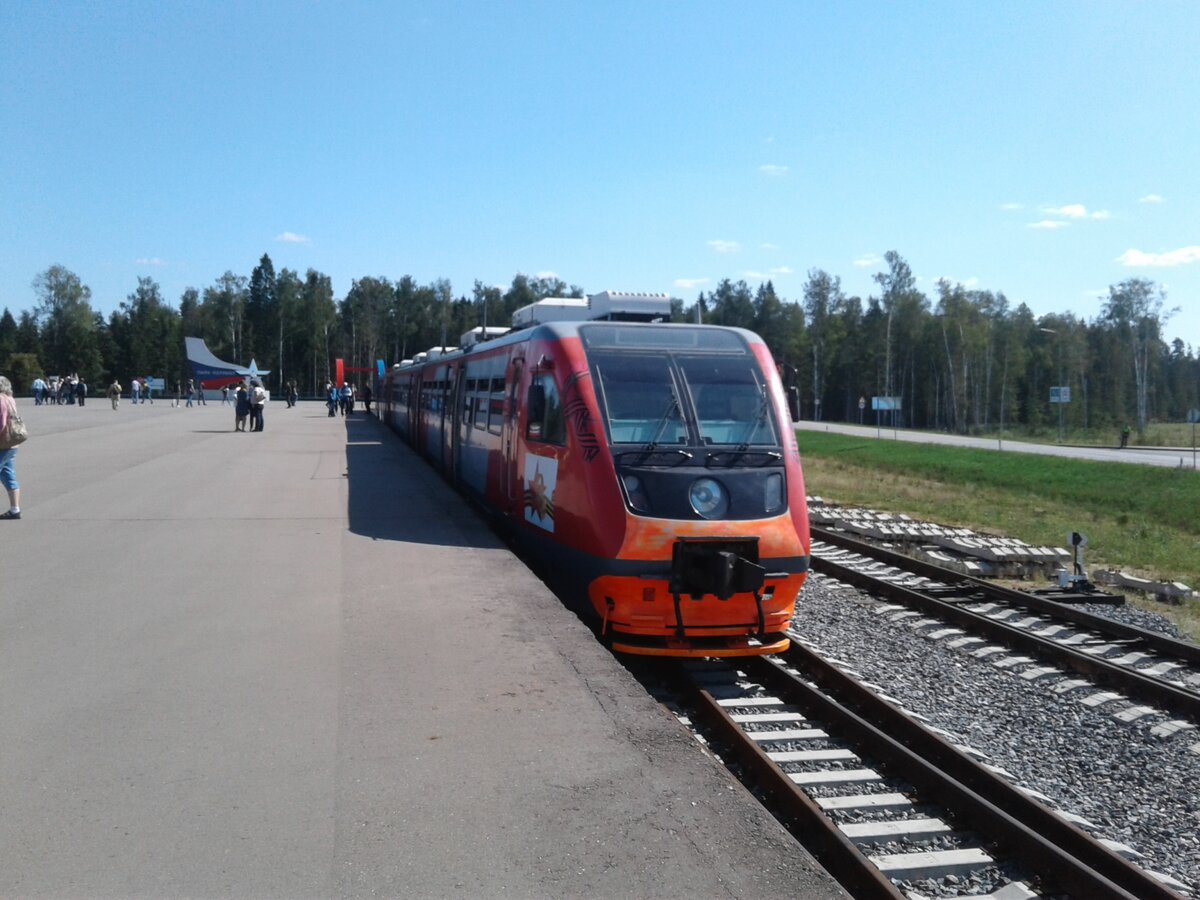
(1059, 387)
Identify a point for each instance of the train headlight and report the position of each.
(708, 498)
(773, 492)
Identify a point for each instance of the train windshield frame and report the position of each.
(679, 395)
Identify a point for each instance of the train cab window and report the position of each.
(641, 400)
(731, 401)
(546, 422)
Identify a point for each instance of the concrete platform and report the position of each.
(295, 664)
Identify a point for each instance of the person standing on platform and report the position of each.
(224, 394)
(191, 392)
(39, 389)
(258, 399)
(135, 391)
(80, 392)
(114, 393)
(331, 398)
(241, 408)
(8, 455)
(366, 395)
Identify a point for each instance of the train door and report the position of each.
(513, 489)
(458, 420)
(435, 432)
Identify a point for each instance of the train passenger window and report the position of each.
(481, 412)
(549, 426)
(495, 413)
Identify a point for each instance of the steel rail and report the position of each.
(838, 853)
(1156, 691)
(1046, 841)
(1185, 650)
(819, 833)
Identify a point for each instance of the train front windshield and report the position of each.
(680, 388)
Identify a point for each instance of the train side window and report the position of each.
(481, 411)
(546, 421)
(495, 413)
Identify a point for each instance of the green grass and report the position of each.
(1157, 434)
(1142, 519)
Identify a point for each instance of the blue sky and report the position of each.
(1043, 149)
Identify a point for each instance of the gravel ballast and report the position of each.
(1138, 789)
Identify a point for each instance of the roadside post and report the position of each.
(1060, 395)
(888, 404)
(1193, 418)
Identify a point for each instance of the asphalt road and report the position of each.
(1174, 457)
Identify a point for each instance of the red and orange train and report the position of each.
(650, 469)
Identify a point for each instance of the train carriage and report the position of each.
(650, 469)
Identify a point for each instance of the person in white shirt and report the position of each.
(258, 399)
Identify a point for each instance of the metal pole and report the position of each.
(1061, 435)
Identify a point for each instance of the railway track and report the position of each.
(890, 807)
(1159, 672)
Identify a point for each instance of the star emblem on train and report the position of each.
(537, 499)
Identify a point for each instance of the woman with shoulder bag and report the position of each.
(8, 475)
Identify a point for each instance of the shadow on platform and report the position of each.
(397, 496)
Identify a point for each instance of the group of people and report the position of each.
(248, 406)
(341, 400)
(69, 391)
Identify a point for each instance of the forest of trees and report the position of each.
(961, 361)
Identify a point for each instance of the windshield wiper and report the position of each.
(640, 456)
(759, 416)
(738, 453)
(662, 422)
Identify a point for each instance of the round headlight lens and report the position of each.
(708, 498)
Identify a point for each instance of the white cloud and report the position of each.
(968, 283)
(150, 261)
(1184, 256)
(773, 170)
(689, 283)
(867, 261)
(1049, 224)
(1151, 198)
(1101, 214)
(290, 237)
(1011, 207)
(725, 246)
(770, 246)
(781, 270)
(1070, 211)
(752, 275)
(547, 276)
